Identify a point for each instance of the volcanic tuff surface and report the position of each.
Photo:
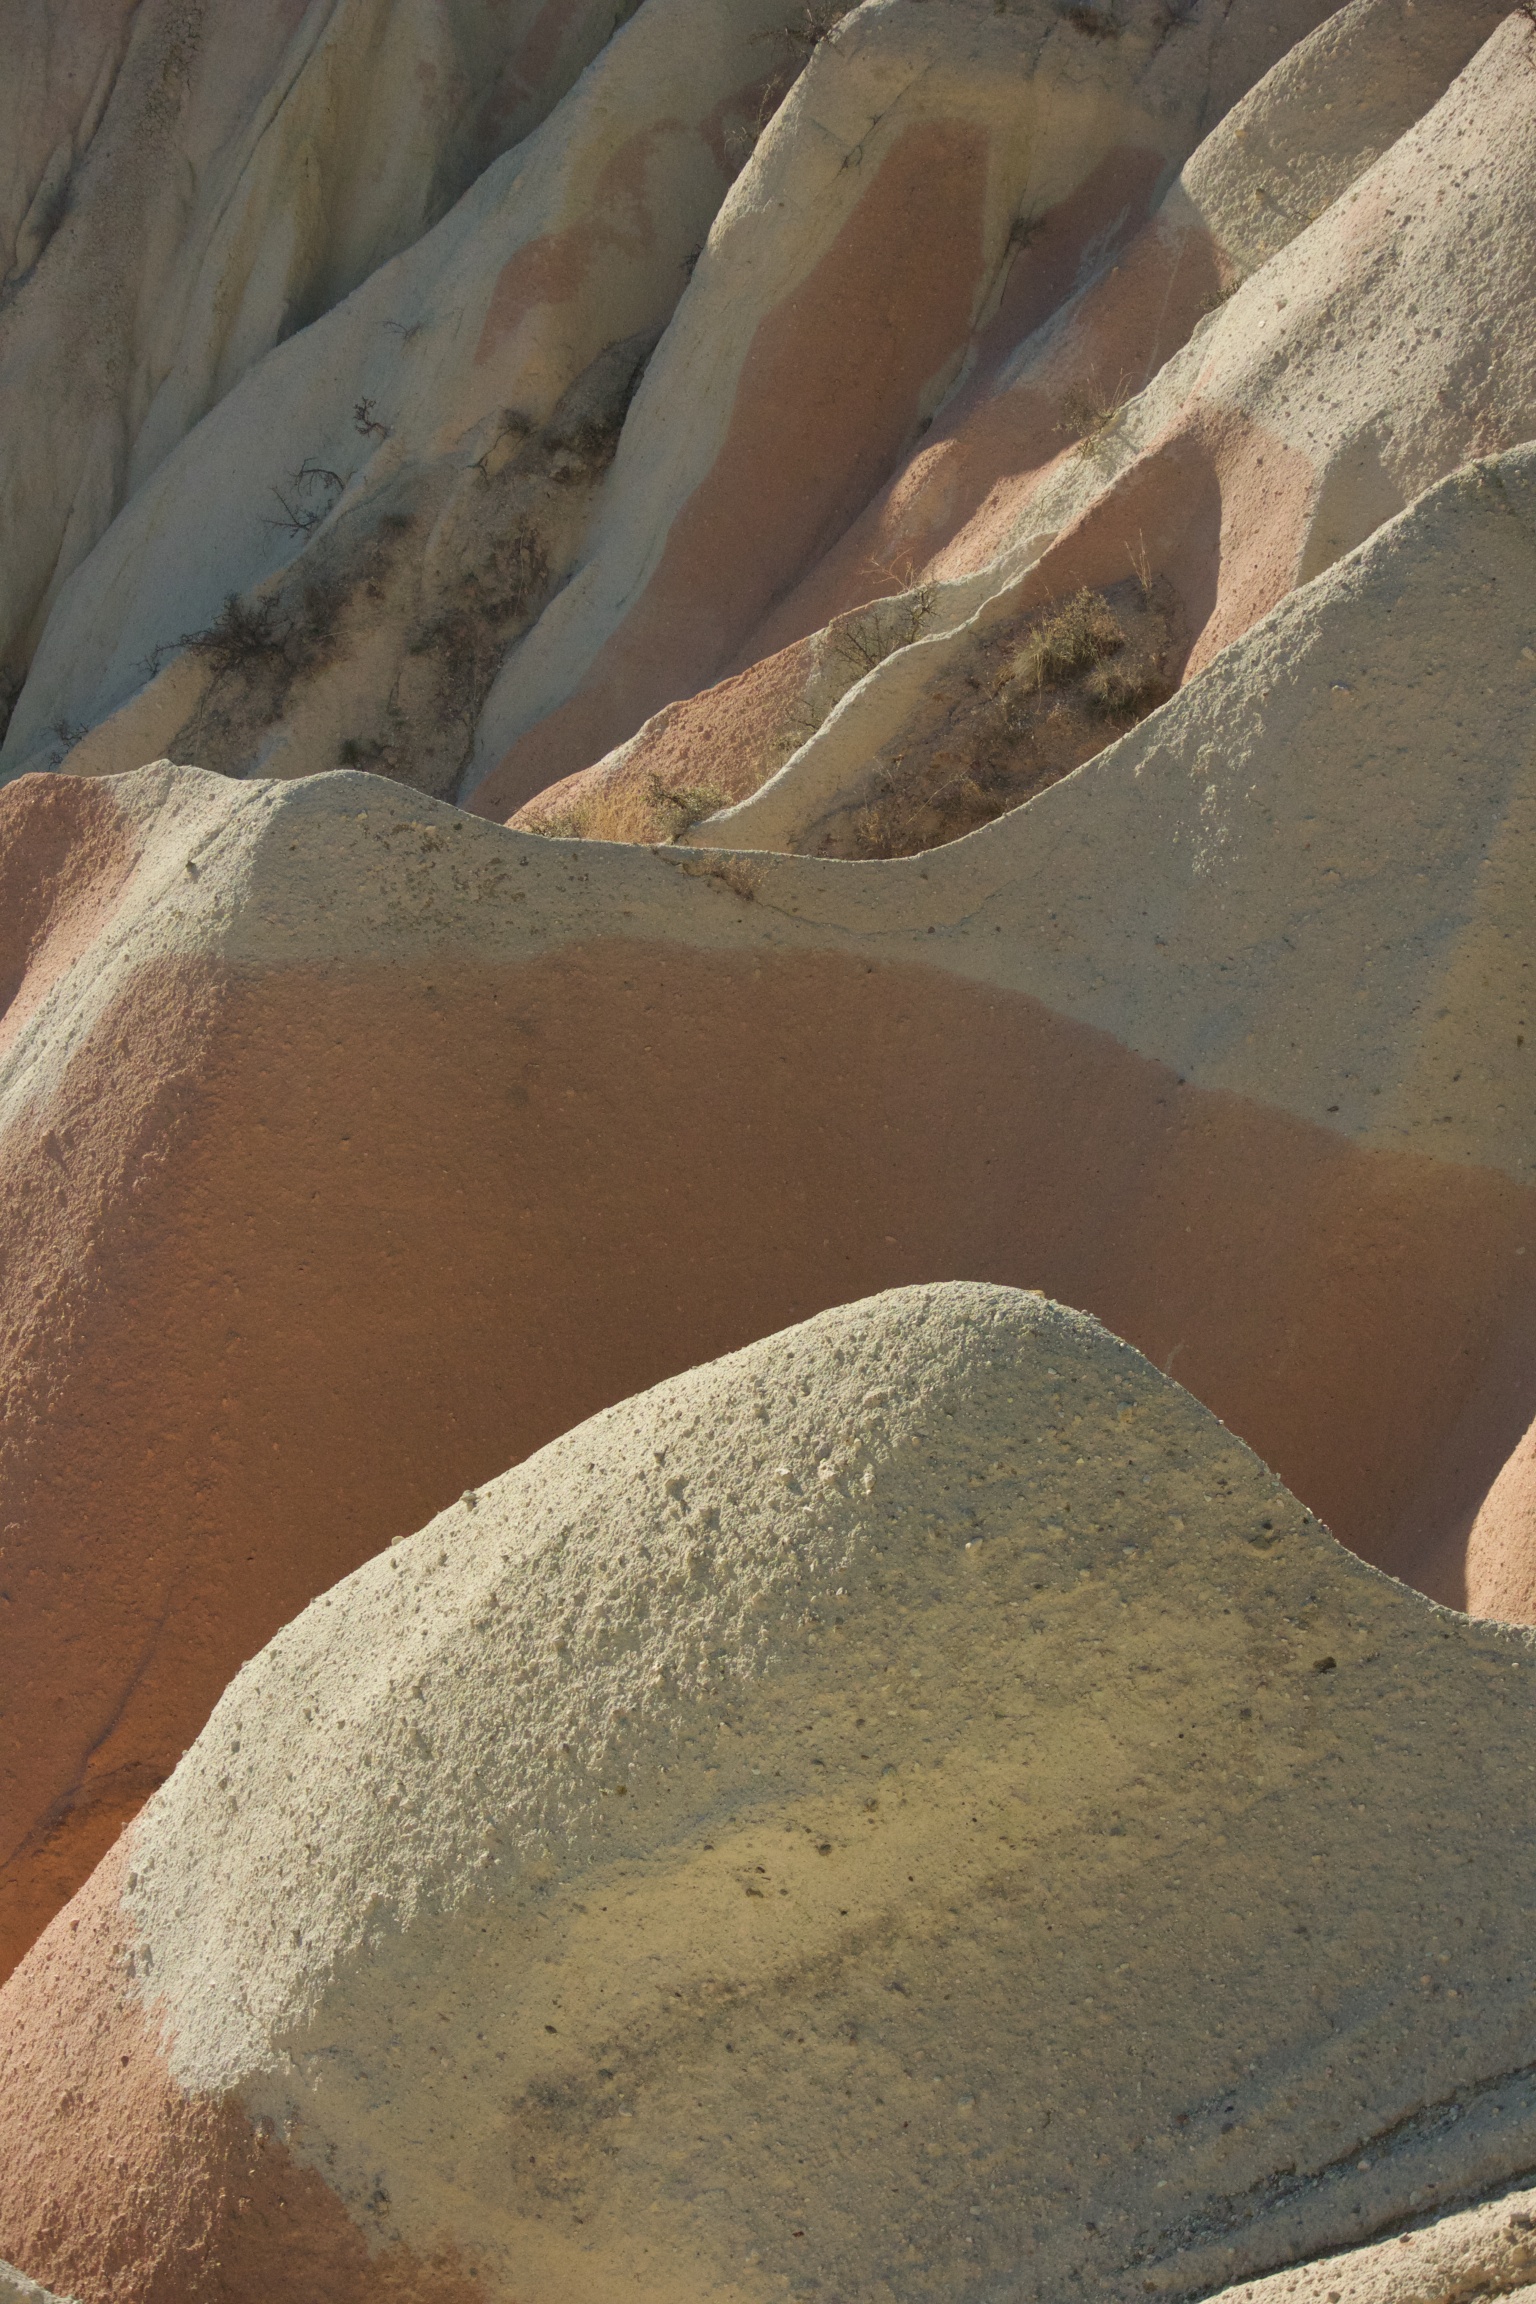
(663, 668)
(913, 1805)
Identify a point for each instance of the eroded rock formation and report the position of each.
(724, 679)
(852, 1816)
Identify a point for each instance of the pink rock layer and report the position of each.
(299, 1255)
(123, 2189)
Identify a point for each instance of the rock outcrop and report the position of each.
(703, 703)
(430, 553)
(185, 188)
(912, 1806)
(354, 1148)
(1254, 457)
(1489, 2250)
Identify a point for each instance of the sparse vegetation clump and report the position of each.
(1027, 709)
(561, 824)
(675, 809)
(66, 735)
(1100, 23)
(1074, 639)
(370, 752)
(311, 496)
(478, 614)
(1088, 415)
(260, 640)
(867, 637)
(815, 24)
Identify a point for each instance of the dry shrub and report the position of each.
(815, 24)
(1099, 23)
(1018, 717)
(259, 642)
(867, 637)
(312, 494)
(1089, 414)
(1072, 640)
(675, 809)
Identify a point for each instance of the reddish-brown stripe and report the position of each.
(394, 1229)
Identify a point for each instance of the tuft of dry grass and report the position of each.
(1076, 638)
(1089, 414)
(675, 809)
(1099, 23)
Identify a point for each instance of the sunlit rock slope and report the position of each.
(911, 1809)
(355, 1146)
(665, 667)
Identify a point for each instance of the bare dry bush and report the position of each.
(1100, 23)
(1026, 711)
(867, 637)
(675, 809)
(311, 497)
(260, 641)
(1089, 414)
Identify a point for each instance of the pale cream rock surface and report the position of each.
(913, 1800)
(363, 488)
(188, 186)
(1488, 2250)
(1301, 881)
(16, 2288)
(610, 203)
(1296, 454)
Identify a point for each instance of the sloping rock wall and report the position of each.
(355, 1148)
(912, 1806)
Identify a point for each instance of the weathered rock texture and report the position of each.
(184, 187)
(354, 1148)
(633, 412)
(16, 2288)
(914, 1805)
(1489, 2250)
(439, 559)
(1087, 446)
